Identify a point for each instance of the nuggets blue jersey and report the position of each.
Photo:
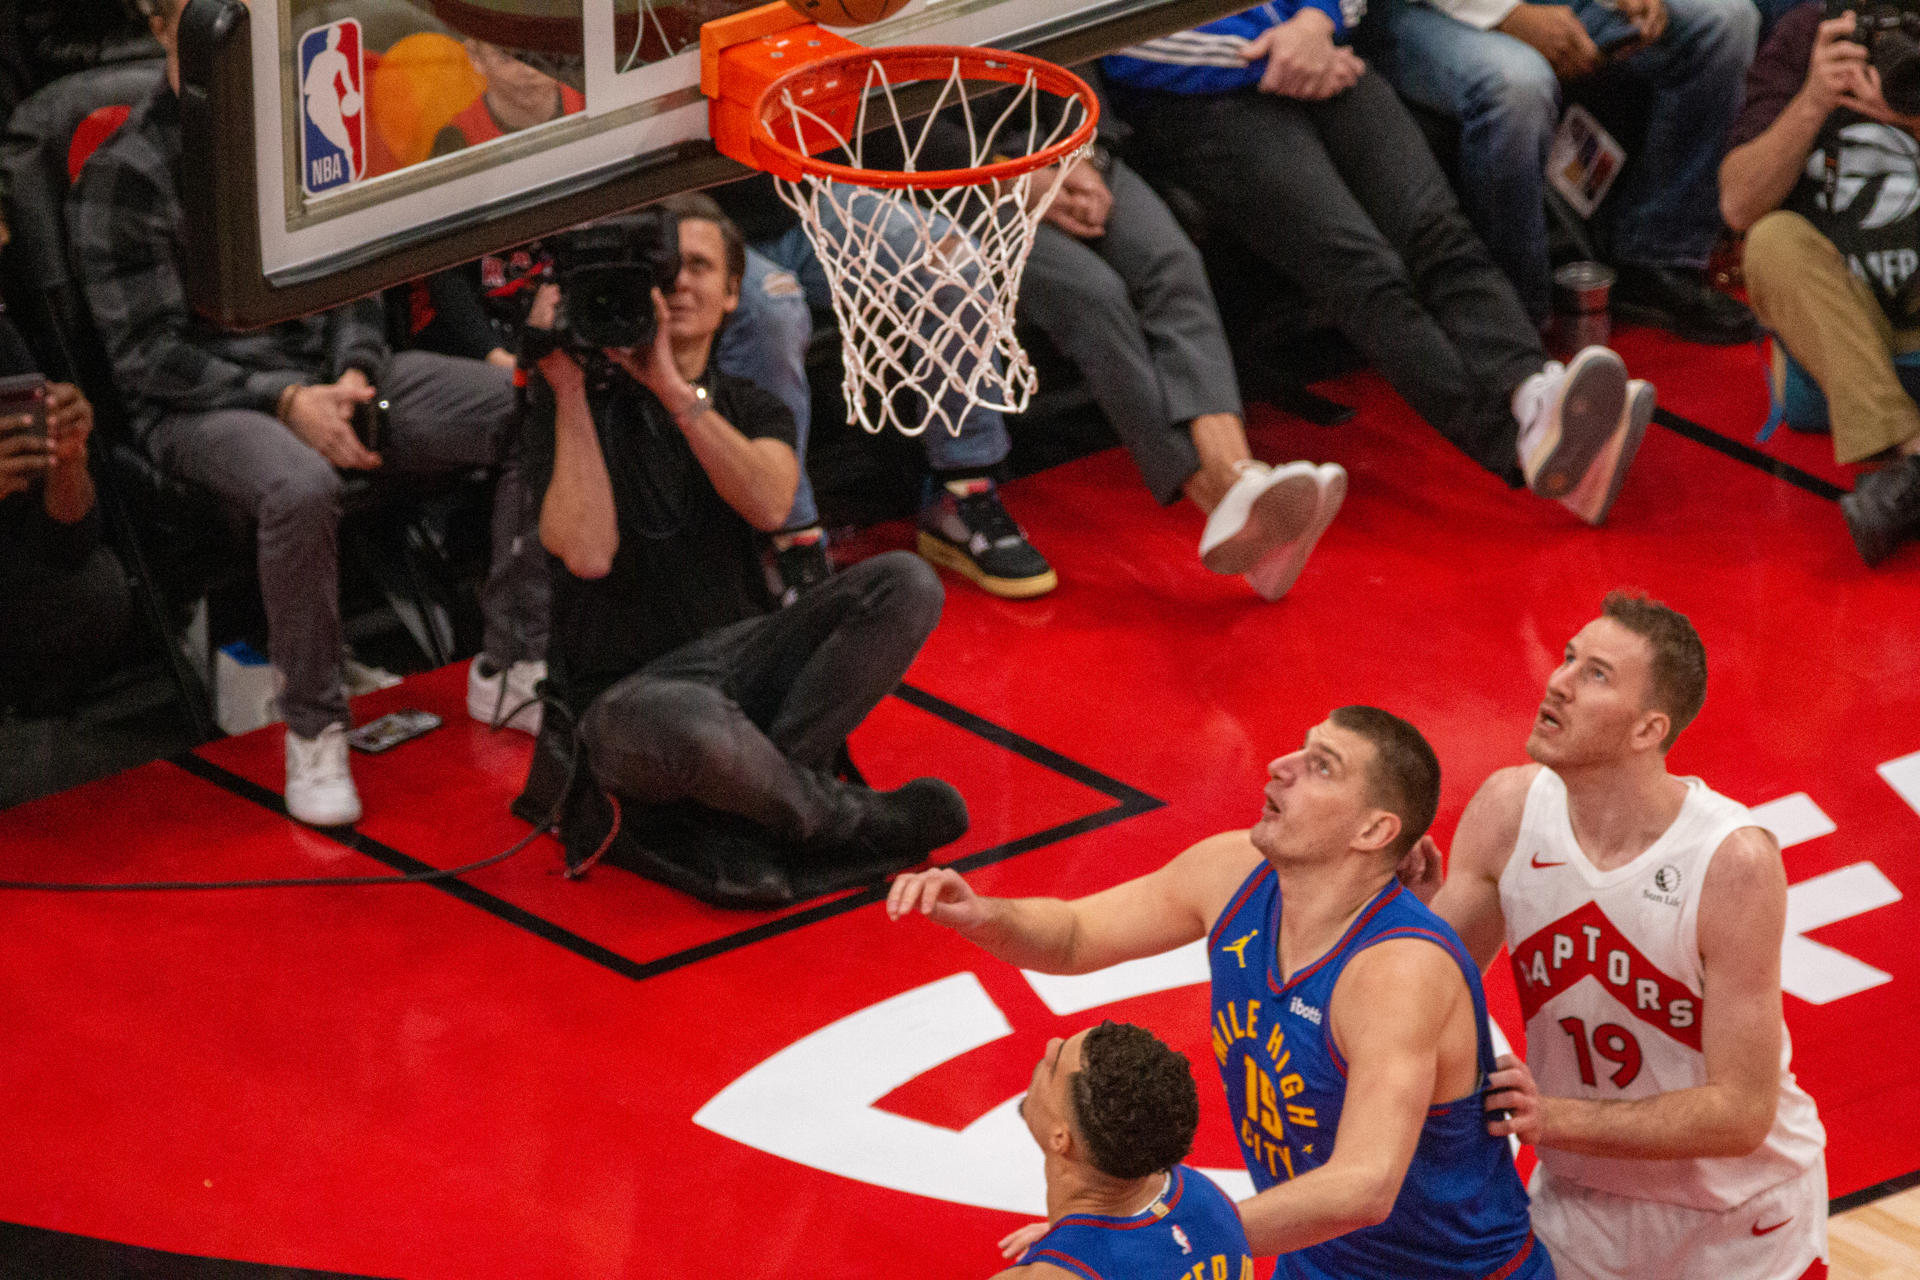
(1462, 1213)
(1192, 1232)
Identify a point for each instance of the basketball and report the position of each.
(846, 13)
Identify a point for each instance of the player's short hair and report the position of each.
(1133, 1101)
(696, 204)
(1405, 779)
(1679, 658)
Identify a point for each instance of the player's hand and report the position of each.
(1081, 207)
(1015, 1243)
(940, 895)
(1424, 869)
(1557, 34)
(322, 416)
(25, 454)
(1511, 1088)
(69, 423)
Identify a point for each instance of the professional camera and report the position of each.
(607, 273)
(1891, 32)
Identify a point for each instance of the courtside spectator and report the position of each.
(1823, 179)
(64, 604)
(1287, 142)
(265, 421)
(1499, 67)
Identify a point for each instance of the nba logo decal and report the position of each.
(333, 133)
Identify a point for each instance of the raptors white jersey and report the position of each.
(1608, 968)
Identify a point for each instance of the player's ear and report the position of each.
(1651, 729)
(1381, 829)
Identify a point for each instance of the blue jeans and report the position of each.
(1664, 209)
(982, 442)
(765, 342)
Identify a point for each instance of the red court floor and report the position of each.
(521, 1076)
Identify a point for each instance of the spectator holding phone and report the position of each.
(1500, 68)
(64, 605)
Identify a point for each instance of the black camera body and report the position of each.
(1890, 29)
(607, 273)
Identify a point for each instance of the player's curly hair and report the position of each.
(1134, 1101)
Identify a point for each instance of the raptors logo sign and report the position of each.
(333, 133)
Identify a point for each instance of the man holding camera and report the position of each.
(708, 718)
(1824, 177)
(266, 420)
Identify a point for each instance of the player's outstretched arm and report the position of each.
(1484, 840)
(1743, 915)
(1146, 916)
(1389, 1012)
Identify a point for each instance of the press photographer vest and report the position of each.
(1874, 213)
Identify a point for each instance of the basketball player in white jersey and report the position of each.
(1644, 915)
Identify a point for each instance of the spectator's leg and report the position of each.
(1507, 100)
(293, 496)
(1082, 305)
(1665, 209)
(1265, 172)
(59, 629)
(1386, 163)
(1831, 322)
(765, 341)
(450, 413)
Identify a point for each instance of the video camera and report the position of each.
(607, 273)
(1890, 29)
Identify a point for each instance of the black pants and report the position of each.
(749, 719)
(1344, 198)
(59, 628)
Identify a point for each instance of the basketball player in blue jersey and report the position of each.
(1114, 1112)
(1348, 1021)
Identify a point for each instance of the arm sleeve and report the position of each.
(356, 338)
(124, 248)
(753, 412)
(1777, 73)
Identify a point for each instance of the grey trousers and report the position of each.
(1132, 310)
(447, 414)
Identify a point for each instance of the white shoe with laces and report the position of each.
(493, 694)
(1265, 509)
(1567, 413)
(320, 789)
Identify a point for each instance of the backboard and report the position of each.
(335, 147)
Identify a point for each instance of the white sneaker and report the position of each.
(1566, 415)
(1266, 508)
(494, 694)
(320, 788)
(1593, 497)
(1274, 576)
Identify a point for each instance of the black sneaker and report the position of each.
(1683, 303)
(969, 532)
(1884, 509)
(802, 563)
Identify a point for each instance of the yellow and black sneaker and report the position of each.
(968, 531)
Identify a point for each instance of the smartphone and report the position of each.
(391, 730)
(25, 394)
(370, 422)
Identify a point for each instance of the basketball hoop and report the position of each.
(924, 265)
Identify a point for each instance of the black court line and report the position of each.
(1131, 802)
(1878, 1191)
(1743, 452)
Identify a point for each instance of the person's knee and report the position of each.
(305, 493)
(912, 588)
(1093, 300)
(1779, 248)
(1722, 33)
(1513, 90)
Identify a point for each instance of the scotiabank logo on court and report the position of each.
(333, 149)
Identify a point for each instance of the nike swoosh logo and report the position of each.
(1767, 1231)
(1542, 866)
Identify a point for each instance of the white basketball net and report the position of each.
(925, 282)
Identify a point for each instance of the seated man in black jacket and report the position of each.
(711, 723)
(64, 606)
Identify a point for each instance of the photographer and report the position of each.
(64, 607)
(711, 723)
(1824, 176)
